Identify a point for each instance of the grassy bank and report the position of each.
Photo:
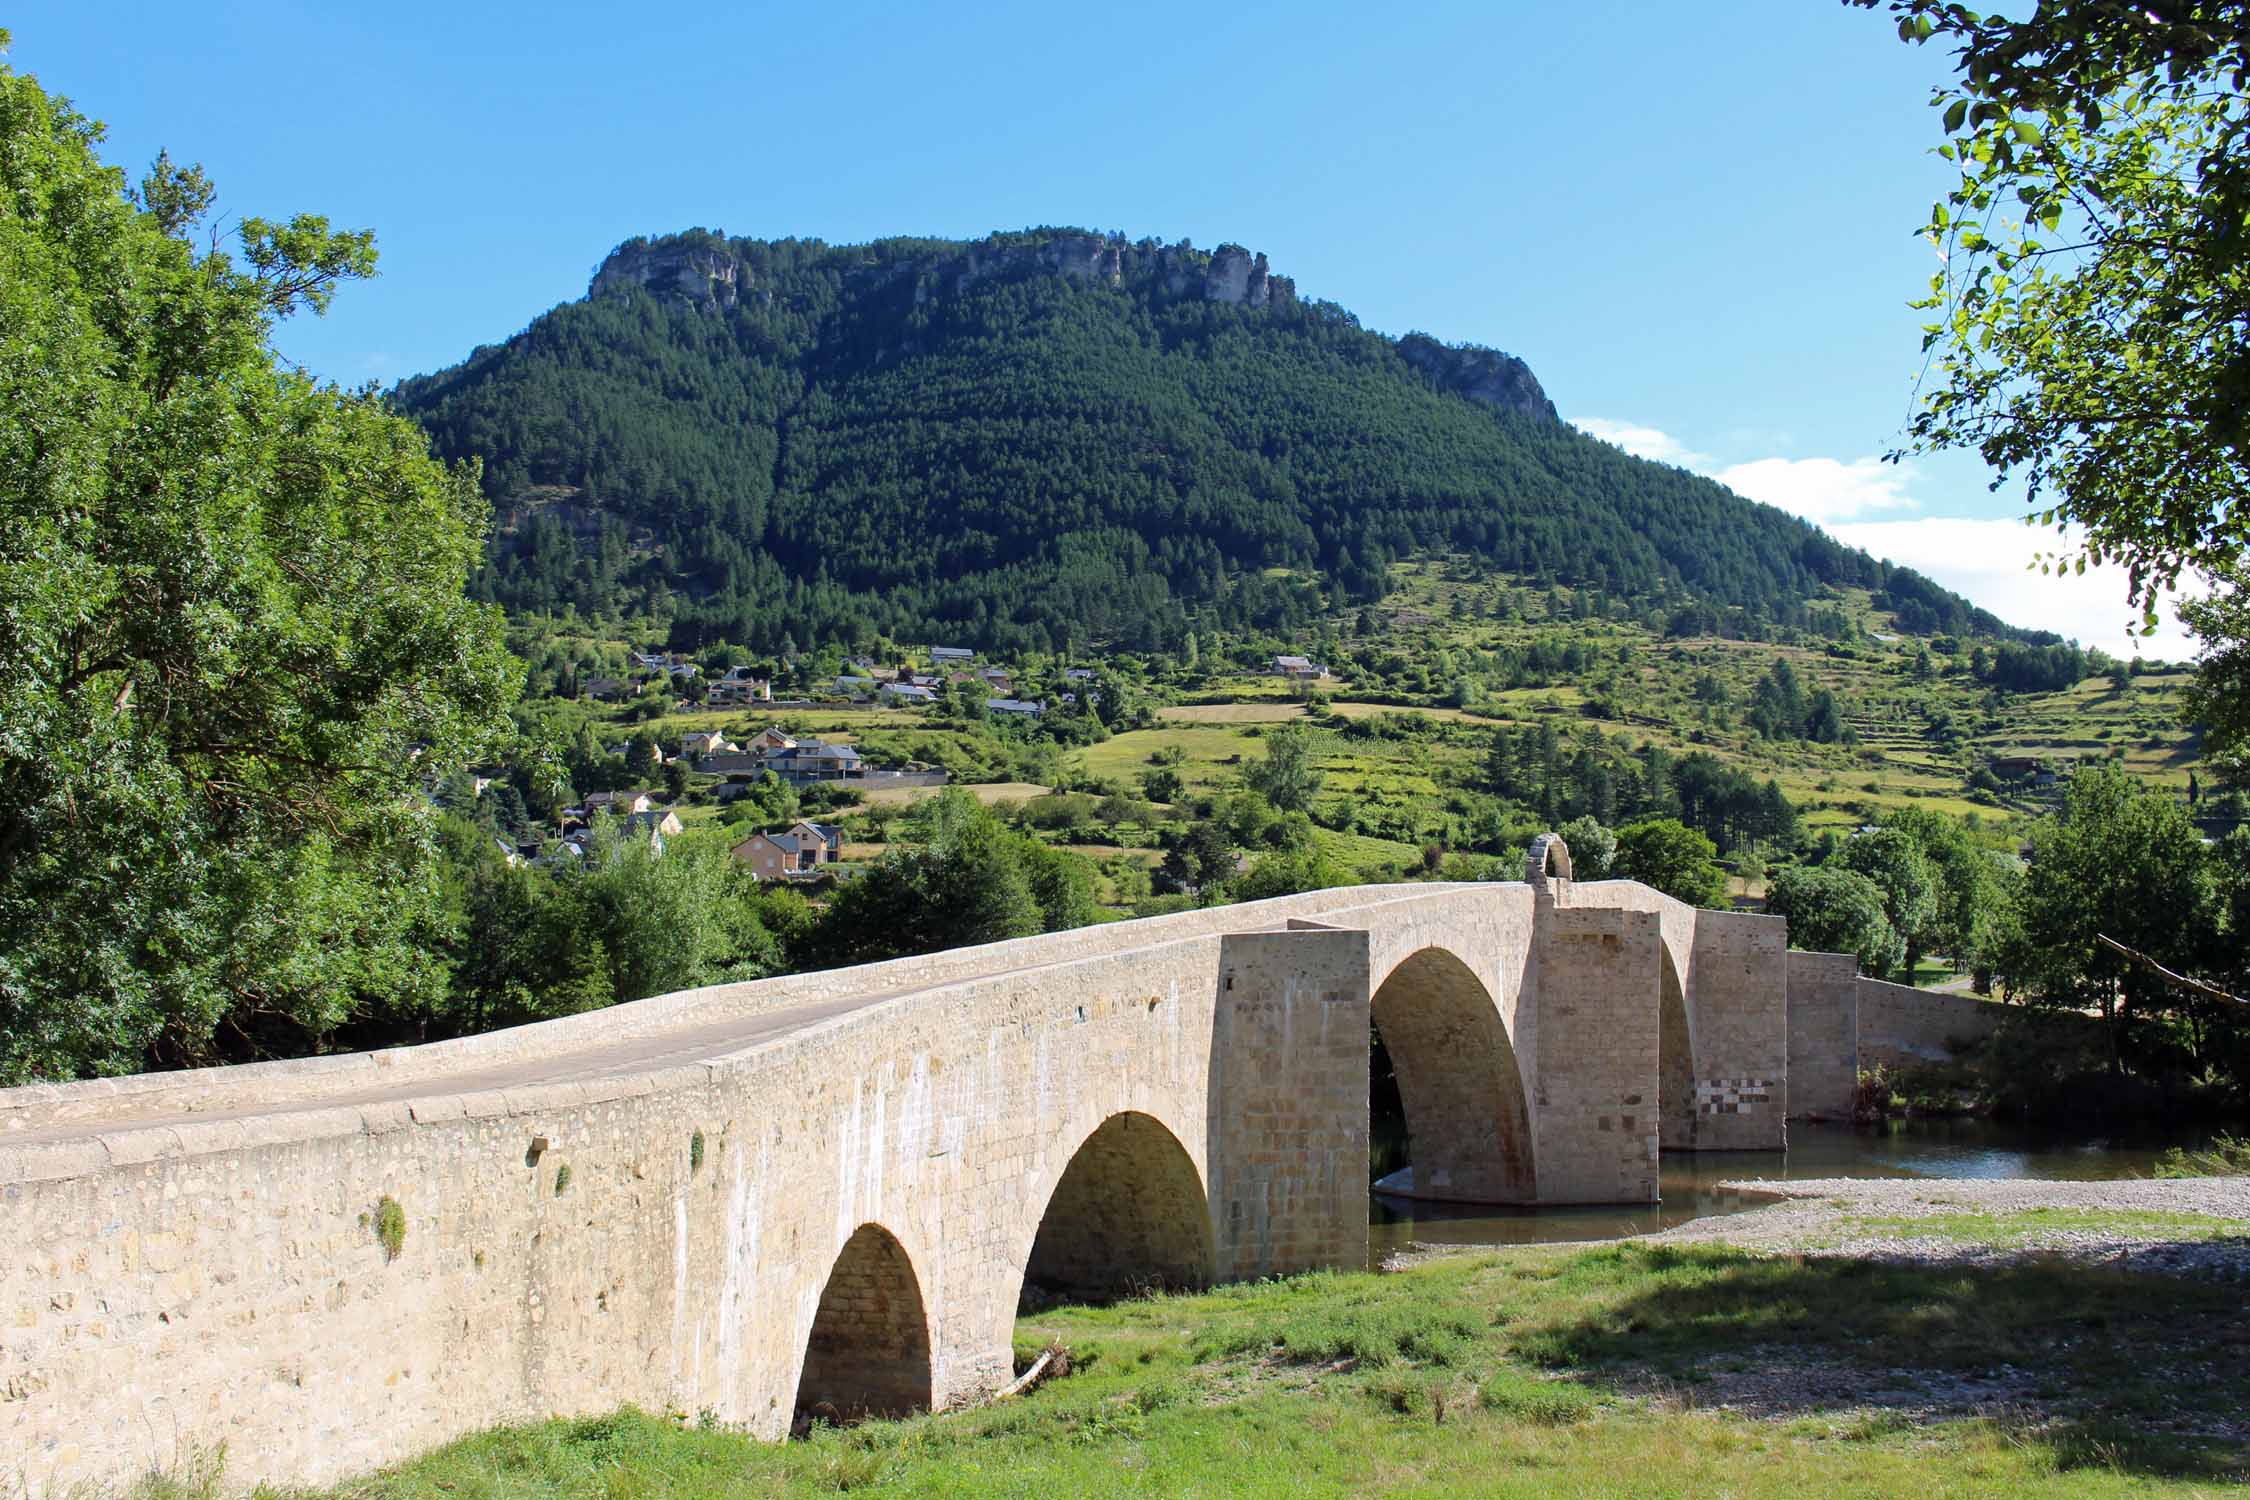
(1534, 1372)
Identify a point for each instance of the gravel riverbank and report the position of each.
(2196, 1226)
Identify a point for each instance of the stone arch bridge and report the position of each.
(827, 1192)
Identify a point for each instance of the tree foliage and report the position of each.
(1674, 858)
(2091, 316)
(232, 609)
(1835, 910)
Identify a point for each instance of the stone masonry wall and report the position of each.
(1288, 1103)
(1900, 1026)
(1823, 1035)
(1739, 977)
(1594, 1097)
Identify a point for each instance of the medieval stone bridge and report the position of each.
(828, 1191)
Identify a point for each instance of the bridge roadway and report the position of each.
(826, 1193)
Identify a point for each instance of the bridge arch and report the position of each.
(1129, 1212)
(1675, 1059)
(1468, 1127)
(868, 1351)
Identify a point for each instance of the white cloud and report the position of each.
(1822, 490)
(1990, 561)
(1643, 442)
(1987, 560)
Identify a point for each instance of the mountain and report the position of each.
(1050, 436)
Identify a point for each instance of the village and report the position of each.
(714, 766)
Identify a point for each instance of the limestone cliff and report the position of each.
(1478, 373)
(712, 272)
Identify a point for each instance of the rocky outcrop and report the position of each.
(693, 269)
(1479, 374)
(707, 271)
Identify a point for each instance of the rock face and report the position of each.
(1480, 374)
(712, 273)
(708, 271)
(708, 275)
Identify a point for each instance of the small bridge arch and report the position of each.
(1128, 1212)
(867, 1353)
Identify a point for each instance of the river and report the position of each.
(1690, 1180)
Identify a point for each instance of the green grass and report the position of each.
(2226, 1156)
(2020, 1227)
(1532, 1372)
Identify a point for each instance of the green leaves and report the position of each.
(232, 605)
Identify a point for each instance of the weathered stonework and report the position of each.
(887, 1155)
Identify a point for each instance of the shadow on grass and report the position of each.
(2138, 1372)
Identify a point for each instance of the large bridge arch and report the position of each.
(1128, 1212)
(867, 1353)
(1467, 1120)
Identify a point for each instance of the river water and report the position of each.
(1690, 1181)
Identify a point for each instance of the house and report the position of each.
(813, 761)
(1297, 668)
(1015, 706)
(1080, 674)
(769, 738)
(623, 804)
(907, 692)
(952, 656)
(924, 679)
(610, 689)
(854, 687)
(780, 856)
(741, 685)
(699, 744)
(656, 825)
(829, 838)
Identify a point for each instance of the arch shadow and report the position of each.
(1675, 1061)
(868, 1352)
(1129, 1214)
(1467, 1125)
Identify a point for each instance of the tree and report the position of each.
(1892, 858)
(2091, 317)
(1835, 910)
(1593, 848)
(1965, 881)
(958, 876)
(1199, 859)
(1285, 872)
(238, 641)
(2219, 697)
(1674, 858)
(2119, 862)
(1285, 777)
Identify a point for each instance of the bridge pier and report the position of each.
(1288, 1103)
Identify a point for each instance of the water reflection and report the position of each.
(1690, 1181)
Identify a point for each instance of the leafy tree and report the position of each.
(1162, 784)
(232, 609)
(1200, 858)
(1285, 872)
(2219, 697)
(1965, 881)
(2119, 862)
(1593, 848)
(1835, 910)
(2091, 320)
(1674, 858)
(1892, 858)
(958, 876)
(1285, 777)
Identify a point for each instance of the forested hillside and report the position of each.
(1052, 437)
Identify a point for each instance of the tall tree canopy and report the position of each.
(2091, 314)
(232, 609)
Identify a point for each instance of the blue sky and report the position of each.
(1694, 221)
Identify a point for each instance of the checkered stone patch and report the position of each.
(1733, 1096)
